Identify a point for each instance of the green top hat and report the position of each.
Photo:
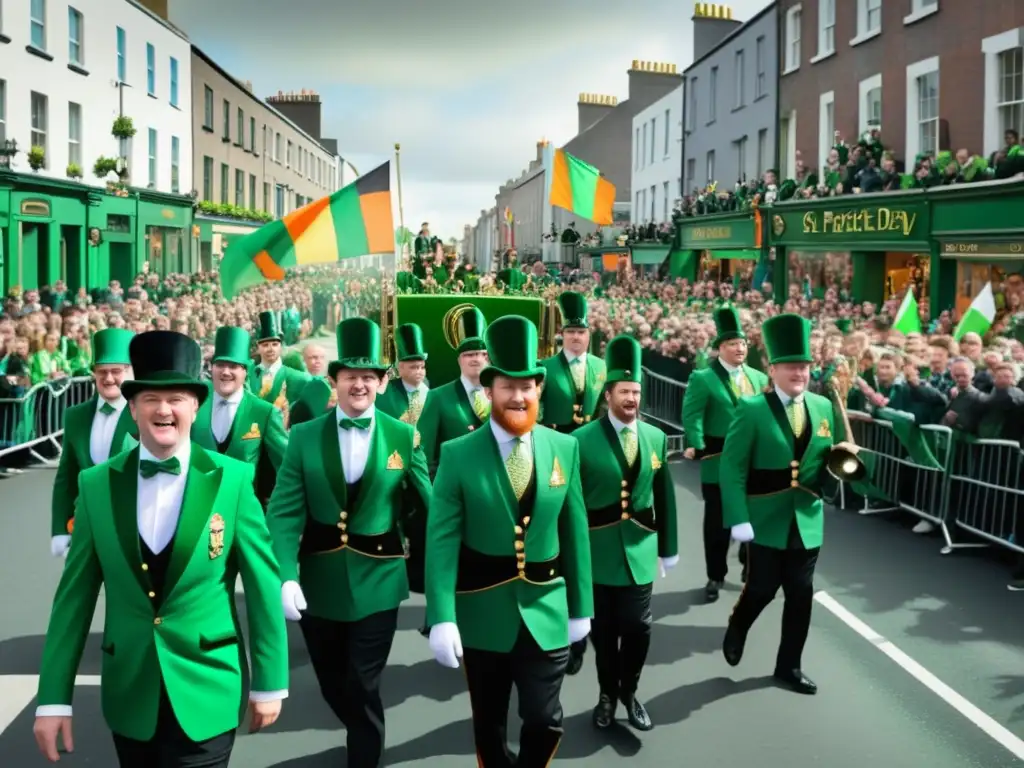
(843, 324)
(165, 360)
(622, 359)
(512, 349)
(727, 322)
(409, 342)
(231, 345)
(788, 339)
(294, 361)
(270, 327)
(471, 327)
(574, 309)
(110, 346)
(358, 347)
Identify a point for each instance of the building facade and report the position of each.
(484, 241)
(656, 180)
(71, 70)
(931, 74)
(731, 98)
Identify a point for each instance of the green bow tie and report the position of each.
(106, 409)
(148, 468)
(360, 423)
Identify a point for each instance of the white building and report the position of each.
(657, 160)
(484, 241)
(72, 68)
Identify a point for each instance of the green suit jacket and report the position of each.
(765, 482)
(558, 401)
(395, 401)
(625, 552)
(318, 396)
(289, 379)
(474, 506)
(192, 642)
(708, 409)
(447, 414)
(343, 584)
(76, 457)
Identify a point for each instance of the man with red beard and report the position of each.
(508, 582)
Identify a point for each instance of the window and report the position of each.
(288, 157)
(691, 118)
(654, 132)
(207, 107)
(740, 77)
(928, 113)
(761, 79)
(826, 125)
(252, 138)
(3, 110)
(869, 19)
(208, 178)
(150, 69)
(794, 20)
(654, 192)
(224, 171)
(75, 134)
(175, 165)
(76, 40)
(252, 190)
(668, 129)
(240, 188)
(152, 157)
(39, 108)
(713, 96)
(691, 173)
(664, 202)
(241, 127)
(278, 200)
(277, 147)
(174, 82)
(37, 24)
(920, 9)
(1010, 104)
(741, 159)
(643, 156)
(870, 115)
(711, 166)
(227, 119)
(122, 56)
(637, 208)
(826, 27)
(763, 161)
(636, 152)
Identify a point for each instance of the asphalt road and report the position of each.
(950, 617)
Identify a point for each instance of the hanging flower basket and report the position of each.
(123, 127)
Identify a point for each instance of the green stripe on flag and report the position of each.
(973, 322)
(584, 178)
(349, 224)
(237, 270)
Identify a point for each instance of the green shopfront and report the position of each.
(724, 247)
(214, 234)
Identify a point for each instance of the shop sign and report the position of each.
(890, 221)
(735, 233)
(967, 249)
(35, 208)
(701, 234)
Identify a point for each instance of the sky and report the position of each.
(467, 87)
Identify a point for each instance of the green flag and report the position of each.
(907, 319)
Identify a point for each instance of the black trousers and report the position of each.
(348, 659)
(767, 570)
(170, 747)
(716, 535)
(621, 635)
(537, 676)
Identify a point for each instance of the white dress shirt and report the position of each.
(159, 500)
(572, 358)
(786, 399)
(354, 443)
(272, 370)
(618, 426)
(506, 441)
(421, 388)
(470, 387)
(224, 410)
(103, 426)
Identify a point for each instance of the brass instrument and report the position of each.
(843, 461)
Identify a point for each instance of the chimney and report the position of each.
(541, 146)
(157, 7)
(650, 80)
(592, 107)
(712, 23)
(302, 108)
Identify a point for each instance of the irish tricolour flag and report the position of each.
(979, 316)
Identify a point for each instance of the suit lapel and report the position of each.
(125, 426)
(239, 427)
(375, 459)
(543, 468)
(723, 376)
(508, 495)
(591, 389)
(81, 431)
(330, 451)
(782, 421)
(615, 444)
(644, 453)
(196, 507)
(124, 489)
(814, 419)
(467, 407)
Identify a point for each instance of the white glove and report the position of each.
(667, 564)
(743, 532)
(578, 629)
(292, 600)
(446, 644)
(59, 545)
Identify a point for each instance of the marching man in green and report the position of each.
(335, 519)
(93, 431)
(165, 529)
(509, 574)
(712, 395)
(272, 380)
(772, 468)
(235, 422)
(631, 510)
(405, 396)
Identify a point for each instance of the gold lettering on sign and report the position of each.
(962, 248)
(856, 222)
(711, 233)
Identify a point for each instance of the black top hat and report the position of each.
(165, 360)
(270, 327)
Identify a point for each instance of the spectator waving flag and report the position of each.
(580, 188)
(907, 319)
(979, 316)
(354, 221)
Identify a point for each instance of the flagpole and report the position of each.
(398, 176)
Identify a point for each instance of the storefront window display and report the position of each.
(1007, 278)
(811, 274)
(903, 269)
(739, 272)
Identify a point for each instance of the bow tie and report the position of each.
(149, 468)
(361, 423)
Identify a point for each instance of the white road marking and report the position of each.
(994, 730)
(18, 691)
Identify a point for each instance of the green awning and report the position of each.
(683, 263)
(649, 254)
(751, 254)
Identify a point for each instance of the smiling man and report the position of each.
(272, 380)
(93, 431)
(335, 519)
(165, 529)
(405, 396)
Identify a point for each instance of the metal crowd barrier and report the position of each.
(662, 402)
(36, 419)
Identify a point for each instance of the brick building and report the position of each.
(933, 74)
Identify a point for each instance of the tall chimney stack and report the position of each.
(158, 7)
(592, 107)
(712, 23)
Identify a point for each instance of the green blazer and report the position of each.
(708, 409)
(257, 438)
(474, 506)
(764, 479)
(291, 380)
(395, 400)
(446, 414)
(625, 552)
(193, 642)
(75, 457)
(342, 584)
(558, 400)
(317, 397)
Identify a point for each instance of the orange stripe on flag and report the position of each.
(299, 221)
(561, 186)
(380, 234)
(604, 199)
(269, 268)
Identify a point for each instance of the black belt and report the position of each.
(614, 513)
(478, 571)
(761, 482)
(712, 446)
(318, 538)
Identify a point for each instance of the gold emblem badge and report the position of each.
(253, 433)
(265, 386)
(415, 438)
(823, 429)
(655, 461)
(216, 536)
(332, 401)
(395, 461)
(557, 478)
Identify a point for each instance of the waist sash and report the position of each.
(478, 571)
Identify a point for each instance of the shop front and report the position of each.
(648, 258)
(164, 235)
(863, 248)
(213, 235)
(725, 247)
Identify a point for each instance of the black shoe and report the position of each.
(732, 645)
(711, 590)
(604, 712)
(743, 576)
(1016, 585)
(637, 714)
(796, 681)
(425, 631)
(576, 653)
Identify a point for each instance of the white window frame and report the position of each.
(740, 66)
(36, 129)
(710, 166)
(78, 59)
(762, 152)
(793, 33)
(760, 74)
(864, 90)
(74, 137)
(713, 96)
(636, 152)
(175, 84)
(668, 131)
(150, 69)
(826, 30)
(865, 8)
(654, 135)
(921, 9)
(741, 157)
(914, 71)
(826, 126)
(152, 151)
(35, 22)
(691, 118)
(3, 110)
(991, 47)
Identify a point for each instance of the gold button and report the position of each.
(341, 526)
(522, 574)
(344, 538)
(794, 463)
(380, 547)
(795, 473)
(344, 515)
(794, 484)
(145, 567)
(625, 494)
(520, 556)
(625, 515)
(519, 530)
(519, 545)
(526, 520)
(551, 572)
(158, 621)
(624, 483)
(576, 407)
(521, 566)
(152, 594)
(624, 504)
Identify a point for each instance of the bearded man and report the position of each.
(509, 583)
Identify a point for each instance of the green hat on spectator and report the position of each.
(110, 346)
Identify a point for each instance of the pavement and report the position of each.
(918, 657)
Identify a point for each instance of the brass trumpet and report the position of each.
(843, 461)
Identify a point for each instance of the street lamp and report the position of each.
(8, 149)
